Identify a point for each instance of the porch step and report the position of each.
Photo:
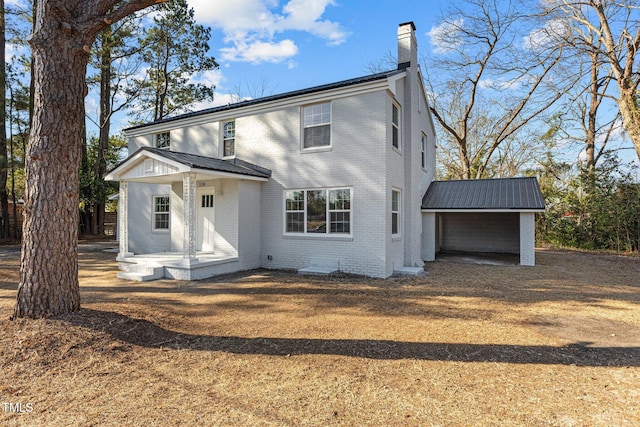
(320, 267)
(141, 273)
(409, 271)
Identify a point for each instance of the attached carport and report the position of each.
(481, 216)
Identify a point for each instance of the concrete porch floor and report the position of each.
(153, 266)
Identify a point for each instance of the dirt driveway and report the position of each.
(557, 344)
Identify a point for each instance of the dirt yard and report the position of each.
(557, 344)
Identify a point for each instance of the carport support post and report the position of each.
(527, 238)
(189, 235)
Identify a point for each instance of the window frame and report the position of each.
(302, 208)
(304, 126)
(224, 139)
(397, 233)
(423, 150)
(396, 134)
(163, 145)
(155, 212)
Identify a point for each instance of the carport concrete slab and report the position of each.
(478, 258)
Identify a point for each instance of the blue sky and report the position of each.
(294, 44)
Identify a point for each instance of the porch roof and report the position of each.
(498, 194)
(164, 163)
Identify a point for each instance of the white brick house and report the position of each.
(328, 178)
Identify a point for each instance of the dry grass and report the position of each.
(558, 344)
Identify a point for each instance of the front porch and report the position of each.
(180, 215)
(173, 265)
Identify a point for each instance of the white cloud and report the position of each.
(540, 38)
(513, 84)
(446, 36)
(251, 27)
(259, 51)
(211, 78)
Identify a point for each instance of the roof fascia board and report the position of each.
(328, 95)
(221, 174)
(513, 210)
(392, 80)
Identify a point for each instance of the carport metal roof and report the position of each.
(494, 195)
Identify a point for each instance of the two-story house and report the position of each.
(321, 179)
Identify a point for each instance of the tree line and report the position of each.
(142, 65)
(549, 90)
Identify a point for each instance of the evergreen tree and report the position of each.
(175, 50)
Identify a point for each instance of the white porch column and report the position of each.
(527, 238)
(189, 217)
(123, 233)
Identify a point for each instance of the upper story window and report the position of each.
(395, 126)
(320, 211)
(423, 152)
(161, 212)
(317, 125)
(163, 140)
(229, 139)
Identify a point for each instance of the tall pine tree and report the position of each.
(175, 49)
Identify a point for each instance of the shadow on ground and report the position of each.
(147, 334)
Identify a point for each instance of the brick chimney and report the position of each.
(407, 45)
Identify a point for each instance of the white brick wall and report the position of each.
(361, 157)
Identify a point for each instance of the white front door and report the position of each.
(205, 229)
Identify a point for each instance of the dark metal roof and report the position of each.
(236, 166)
(321, 88)
(500, 193)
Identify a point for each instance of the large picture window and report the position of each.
(317, 125)
(229, 139)
(161, 212)
(323, 211)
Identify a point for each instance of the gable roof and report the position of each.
(251, 102)
(186, 162)
(195, 161)
(518, 194)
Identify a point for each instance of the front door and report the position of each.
(205, 229)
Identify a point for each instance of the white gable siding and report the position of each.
(149, 167)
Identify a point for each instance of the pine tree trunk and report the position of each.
(63, 32)
(49, 265)
(105, 129)
(4, 160)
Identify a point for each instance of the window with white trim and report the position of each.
(395, 212)
(318, 211)
(316, 120)
(161, 210)
(163, 140)
(423, 152)
(229, 139)
(395, 126)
